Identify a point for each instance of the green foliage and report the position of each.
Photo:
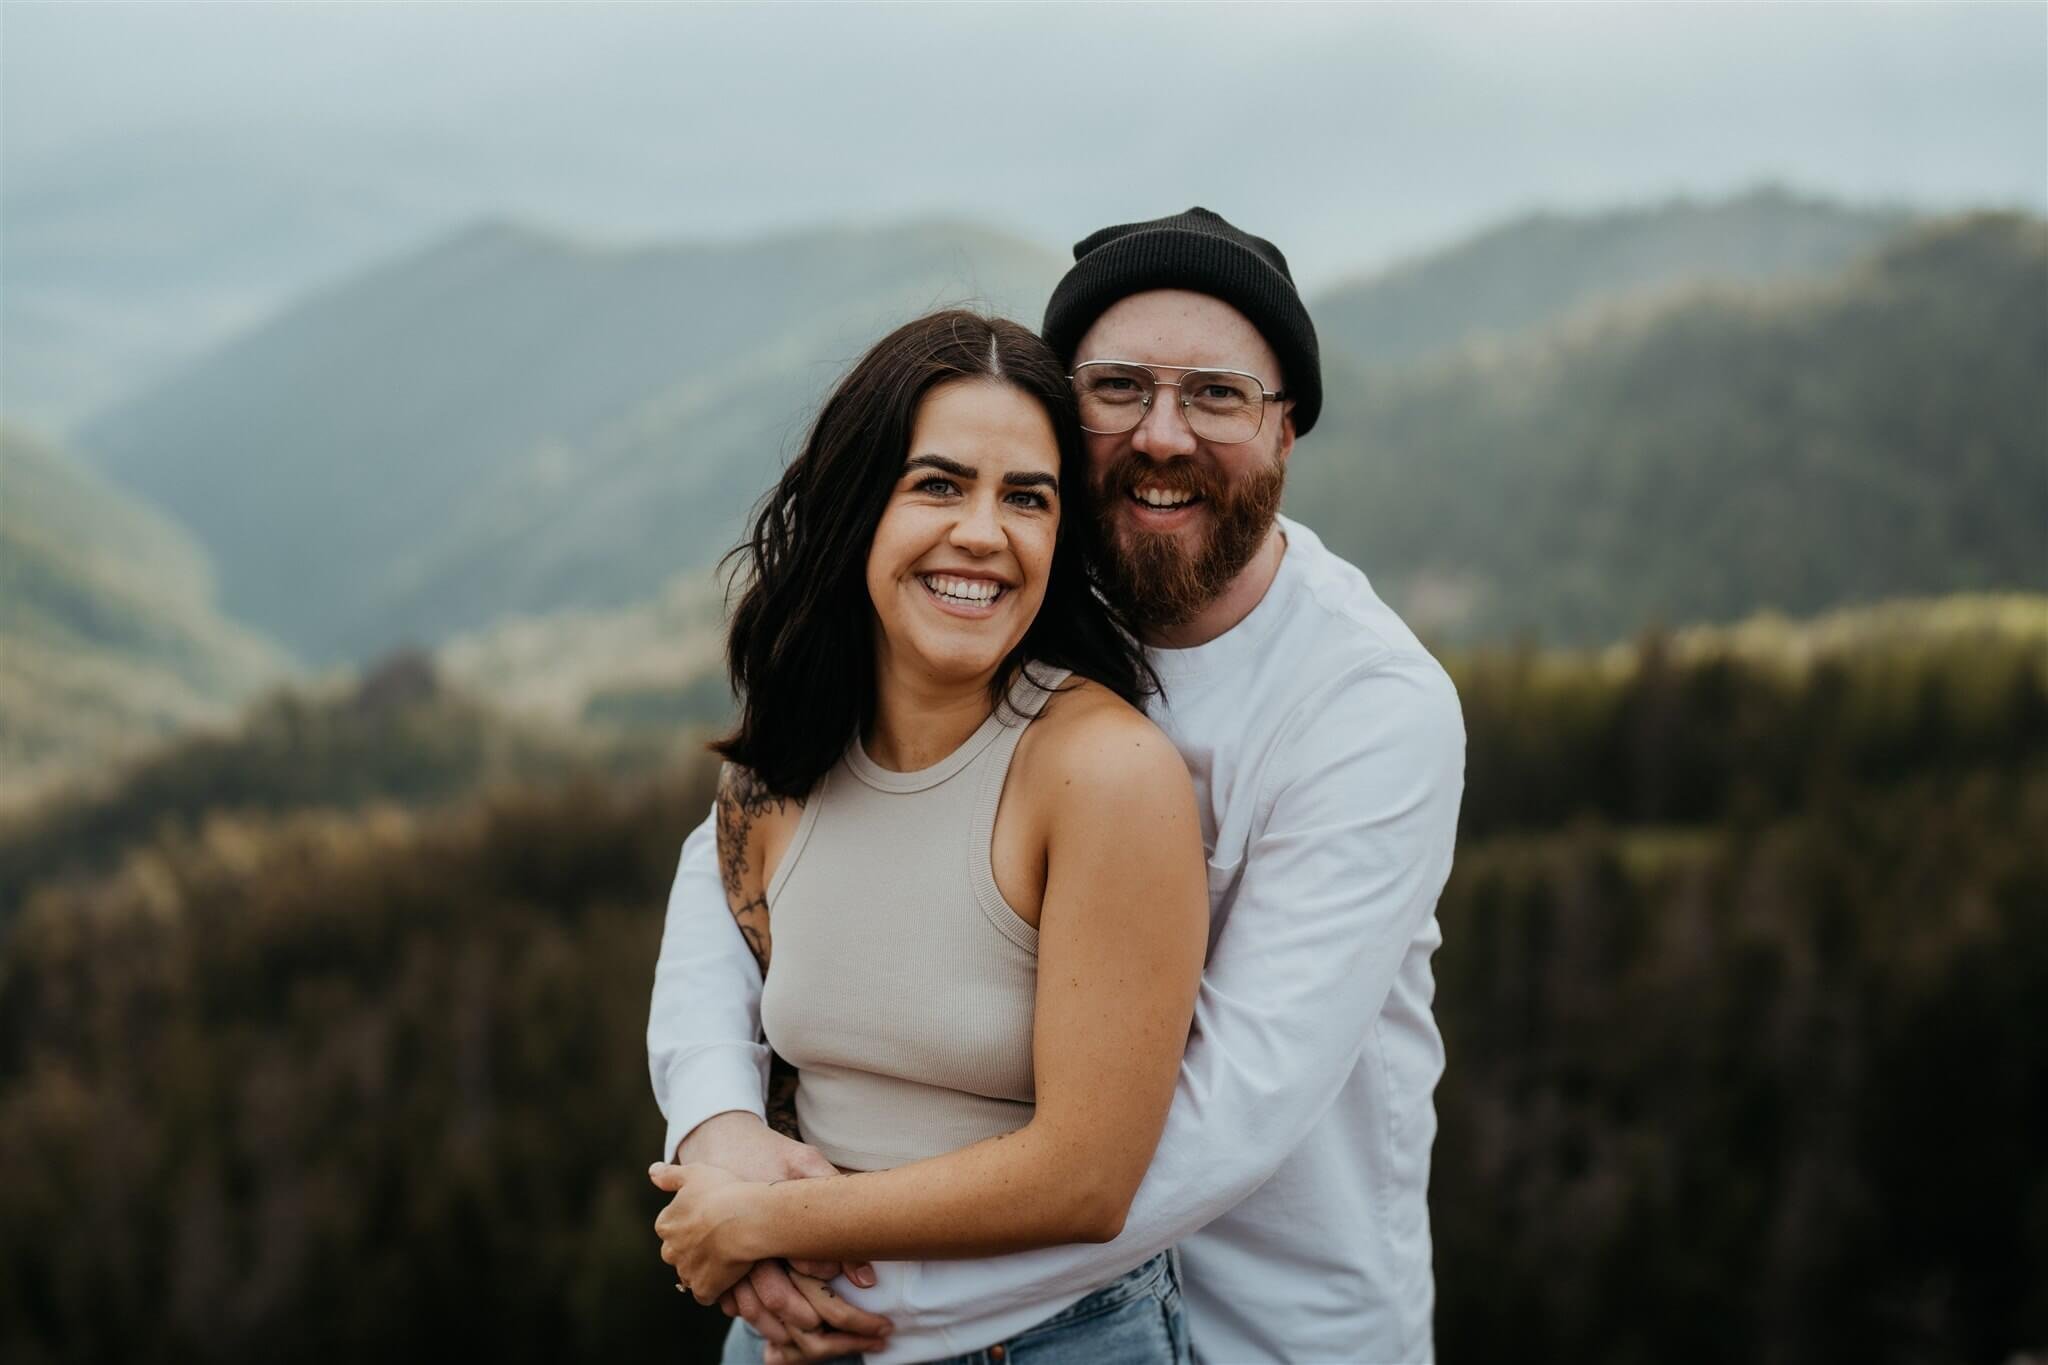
(1878, 436)
(329, 1089)
(1730, 727)
(1742, 987)
(1773, 1095)
(398, 736)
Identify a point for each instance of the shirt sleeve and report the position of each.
(1337, 884)
(704, 1048)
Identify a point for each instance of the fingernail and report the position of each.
(864, 1277)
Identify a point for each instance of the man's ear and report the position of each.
(1286, 446)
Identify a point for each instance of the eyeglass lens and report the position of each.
(1220, 406)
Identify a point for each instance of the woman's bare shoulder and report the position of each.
(1088, 736)
(1118, 810)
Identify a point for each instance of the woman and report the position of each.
(969, 866)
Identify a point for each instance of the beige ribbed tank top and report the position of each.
(902, 983)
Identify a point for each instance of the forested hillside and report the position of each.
(1537, 269)
(109, 633)
(1741, 986)
(1883, 433)
(400, 735)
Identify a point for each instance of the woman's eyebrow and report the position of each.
(943, 465)
(967, 472)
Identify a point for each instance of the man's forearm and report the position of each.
(704, 1052)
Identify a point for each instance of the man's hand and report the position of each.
(788, 1303)
(739, 1142)
(789, 1342)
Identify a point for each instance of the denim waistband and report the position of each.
(1142, 1280)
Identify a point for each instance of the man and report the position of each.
(1328, 757)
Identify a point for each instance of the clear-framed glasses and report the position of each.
(1223, 407)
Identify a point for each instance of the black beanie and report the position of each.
(1199, 251)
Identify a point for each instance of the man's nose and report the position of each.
(1164, 433)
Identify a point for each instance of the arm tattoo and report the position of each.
(743, 798)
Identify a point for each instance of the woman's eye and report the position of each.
(1030, 499)
(933, 484)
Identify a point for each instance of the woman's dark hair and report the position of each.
(800, 649)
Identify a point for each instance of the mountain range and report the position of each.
(1534, 269)
(516, 447)
(508, 421)
(1881, 431)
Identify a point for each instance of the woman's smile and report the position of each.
(973, 596)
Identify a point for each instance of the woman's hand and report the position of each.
(697, 1226)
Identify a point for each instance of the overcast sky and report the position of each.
(1348, 134)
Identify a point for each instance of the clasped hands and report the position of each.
(727, 1159)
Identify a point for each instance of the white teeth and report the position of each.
(963, 589)
(1159, 497)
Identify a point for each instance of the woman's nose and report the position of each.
(977, 528)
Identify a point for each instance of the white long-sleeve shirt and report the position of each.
(1327, 752)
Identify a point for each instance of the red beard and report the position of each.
(1149, 575)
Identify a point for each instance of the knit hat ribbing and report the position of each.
(1200, 251)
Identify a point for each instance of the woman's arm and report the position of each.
(1121, 935)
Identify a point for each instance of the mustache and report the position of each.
(1178, 475)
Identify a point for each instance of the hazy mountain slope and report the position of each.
(1537, 269)
(108, 631)
(580, 665)
(507, 421)
(397, 736)
(511, 425)
(1883, 434)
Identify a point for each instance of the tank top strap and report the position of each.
(1032, 688)
(1029, 692)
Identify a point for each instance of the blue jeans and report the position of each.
(1135, 1319)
